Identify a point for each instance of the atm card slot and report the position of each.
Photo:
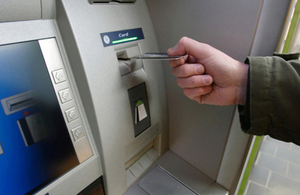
(14, 105)
(18, 102)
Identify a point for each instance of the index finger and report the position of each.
(189, 46)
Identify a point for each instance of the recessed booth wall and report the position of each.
(200, 133)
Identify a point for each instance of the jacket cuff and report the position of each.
(244, 110)
(287, 56)
(254, 116)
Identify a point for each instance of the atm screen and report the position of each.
(35, 144)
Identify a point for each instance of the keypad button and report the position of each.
(78, 132)
(65, 95)
(71, 114)
(59, 76)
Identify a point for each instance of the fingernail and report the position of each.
(199, 69)
(207, 80)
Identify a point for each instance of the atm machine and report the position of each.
(78, 116)
(46, 141)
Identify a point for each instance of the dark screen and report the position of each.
(35, 146)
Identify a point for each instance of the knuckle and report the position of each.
(183, 40)
(179, 82)
(174, 71)
(206, 89)
(184, 71)
(200, 91)
(187, 93)
(194, 81)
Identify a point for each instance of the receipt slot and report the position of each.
(139, 108)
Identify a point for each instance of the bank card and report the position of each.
(156, 56)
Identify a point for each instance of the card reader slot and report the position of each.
(12, 105)
(18, 102)
(22, 101)
(111, 1)
(123, 59)
(127, 65)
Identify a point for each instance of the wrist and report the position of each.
(241, 93)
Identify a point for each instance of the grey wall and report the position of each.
(198, 133)
(16, 10)
(270, 27)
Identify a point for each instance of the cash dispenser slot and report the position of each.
(143, 159)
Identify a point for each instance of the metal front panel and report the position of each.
(66, 100)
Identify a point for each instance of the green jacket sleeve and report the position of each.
(273, 99)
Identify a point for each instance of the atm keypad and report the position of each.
(72, 114)
(78, 133)
(65, 95)
(59, 76)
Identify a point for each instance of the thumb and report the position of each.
(179, 48)
(190, 46)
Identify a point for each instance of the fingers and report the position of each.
(180, 61)
(195, 81)
(192, 59)
(196, 93)
(181, 47)
(196, 52)
(188, 70)
(191, 47)
(185, 59)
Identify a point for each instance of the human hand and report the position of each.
(207, 75)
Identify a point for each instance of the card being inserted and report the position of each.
(154, 56)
